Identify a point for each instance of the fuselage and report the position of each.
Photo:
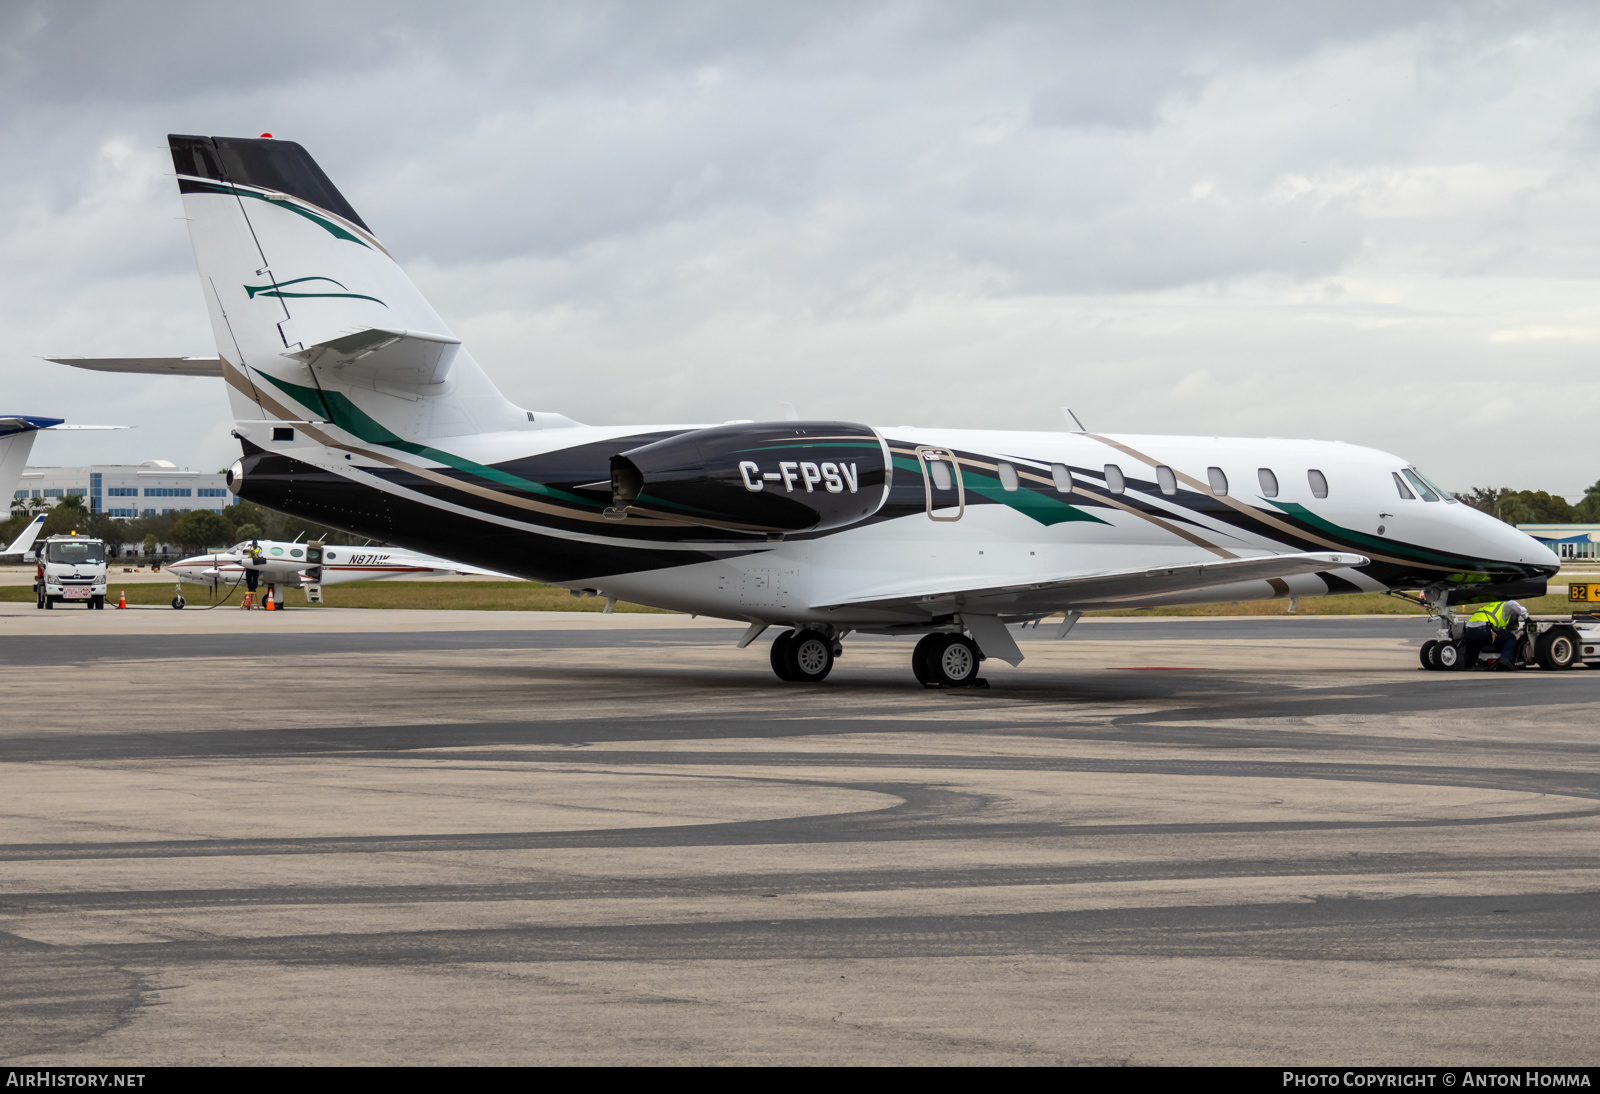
(534, 503)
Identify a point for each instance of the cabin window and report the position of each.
(1114, 480)
(294, 552)
(1219, 481)
(941, 474)
(1421, 485)
(276, 551)
(1319, 483)
(1166, 480)
(1062, 477)
(1008, 477)
(1269, 482)
(1400, 485)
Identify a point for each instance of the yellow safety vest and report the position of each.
(1492, 614)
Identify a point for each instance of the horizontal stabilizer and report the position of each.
(1072, 590)
(150, 366)
(24, 542)
(379, 357)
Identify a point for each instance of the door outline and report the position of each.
(924, 453)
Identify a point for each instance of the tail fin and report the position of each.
(313, 319)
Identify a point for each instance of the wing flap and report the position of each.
(1069, 590)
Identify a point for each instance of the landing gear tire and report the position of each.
(808, 657)
(780, 650)
(1450, 656)
(178, 602)
(919, 656)
(1557, 649)
(1425, 655)
(953, 663)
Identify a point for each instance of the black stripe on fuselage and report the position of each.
(292, 486)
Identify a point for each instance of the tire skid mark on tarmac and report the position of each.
(1399, 928)
(563, 887)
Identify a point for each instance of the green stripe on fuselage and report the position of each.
(1030, 503)
(353, 420)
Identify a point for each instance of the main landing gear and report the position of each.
(806, 656)
(947, 661)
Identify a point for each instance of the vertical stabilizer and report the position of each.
(293, 278)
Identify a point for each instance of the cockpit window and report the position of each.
(75, 551)
(1319, 483)
(1443, 493)
(1421, 485)
(1269, 482)
(1400, 485)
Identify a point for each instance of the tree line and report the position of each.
(202, 528)
(1534, 506)
(193, 531)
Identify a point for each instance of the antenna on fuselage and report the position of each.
(1072, 420)
(790, 413)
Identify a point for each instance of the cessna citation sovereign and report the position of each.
(357, 407)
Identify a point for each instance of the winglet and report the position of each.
(24, 542)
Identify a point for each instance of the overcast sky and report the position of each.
(1369, 222)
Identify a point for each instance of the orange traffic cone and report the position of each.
(122, 599)
(270, 606)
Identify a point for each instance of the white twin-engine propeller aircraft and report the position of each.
(276, 563)
(357, 407)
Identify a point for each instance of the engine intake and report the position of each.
(760, 477)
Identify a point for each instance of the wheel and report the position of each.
(780, 647)
(919, 656)
(177, 602)
(809, 657)
(954, 663)
(1426, 654)
(97, 603)
(38, 600)
(1450, 656)
(49, 602)
(1557, 649)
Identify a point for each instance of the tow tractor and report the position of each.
(70, 568)
(1548, 641)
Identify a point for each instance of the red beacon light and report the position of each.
(266, 136)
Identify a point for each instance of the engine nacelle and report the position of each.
(761, 477)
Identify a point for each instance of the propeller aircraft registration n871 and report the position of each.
(357, 407)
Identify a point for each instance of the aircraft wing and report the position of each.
(1070, 591)
(157, 366)
(24, 542)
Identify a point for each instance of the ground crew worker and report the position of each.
(1494, 625)
(252, 559)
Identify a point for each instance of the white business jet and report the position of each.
(279, 564)
(357, 407)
